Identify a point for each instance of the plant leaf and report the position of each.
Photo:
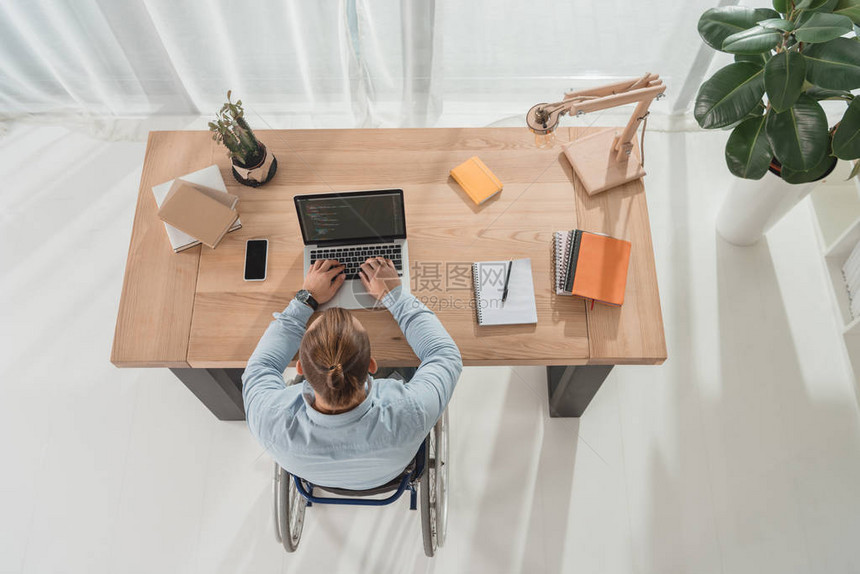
(850, 8)
(757, 59)
(834, 65)
(753, 41)
(777, 24)
(810, 4)
(824, 166)
(823, 94)
(846, 140)
(783, 79)
(827, 7)
(717, 24)
(823, 27)
(748, 151)
(729, 95)
(780, 6)
(799, 135)
(855, 170)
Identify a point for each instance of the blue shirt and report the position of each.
(370, 444)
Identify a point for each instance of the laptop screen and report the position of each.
(362, 216)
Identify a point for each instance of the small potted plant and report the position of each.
(253, 165)
(786, 61)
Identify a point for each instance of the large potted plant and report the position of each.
(786, 61)
(252, 163)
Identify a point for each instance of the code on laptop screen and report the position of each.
(348, 217)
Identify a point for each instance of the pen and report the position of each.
(507, 280)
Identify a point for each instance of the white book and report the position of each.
(852, 277)
(853, 261)
(854, 307)
(209, 177)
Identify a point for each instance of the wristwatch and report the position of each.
(304, 296)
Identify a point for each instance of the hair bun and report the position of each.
(335, 375)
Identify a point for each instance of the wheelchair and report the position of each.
(426, 476)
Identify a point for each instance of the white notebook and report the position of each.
(519, 307)
(208, 176)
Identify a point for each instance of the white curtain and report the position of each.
(382, 63)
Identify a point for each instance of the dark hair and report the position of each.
(335, 357)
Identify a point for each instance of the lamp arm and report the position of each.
(609, 89)
(543, 118)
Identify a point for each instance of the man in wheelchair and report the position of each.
(342, 427)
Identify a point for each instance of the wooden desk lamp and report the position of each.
(606, 159)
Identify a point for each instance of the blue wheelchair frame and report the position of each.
(408, 480)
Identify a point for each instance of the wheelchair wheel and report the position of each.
(289, 510)
(434, 487)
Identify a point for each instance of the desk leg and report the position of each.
(219, 389)
(571, 388)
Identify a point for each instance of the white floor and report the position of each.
(740, 454)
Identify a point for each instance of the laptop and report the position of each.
(351, 227)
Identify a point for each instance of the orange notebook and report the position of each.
(476, 179)
(596, 267)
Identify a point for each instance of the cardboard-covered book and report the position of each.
(208, 177)
(203, 213)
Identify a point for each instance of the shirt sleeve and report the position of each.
(263, 379)
(441, 364)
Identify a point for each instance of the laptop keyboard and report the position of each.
(352, 257)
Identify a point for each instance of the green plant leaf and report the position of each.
(757, 59)
(824, 166)
(717, 24)
(799, 135)
(753, 41)
(810, 4)
(780, 6)
(850, 8)
(826, 7)
(777, 24)
(748, 151)
(834, 65)
(846, 140)
(729, 95)
(855, 170)
(783, 79)
(823, 27)
(756, 112)
(824, 94)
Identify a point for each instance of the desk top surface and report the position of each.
(194, 309)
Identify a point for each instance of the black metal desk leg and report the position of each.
(219, 389)
(571, 388)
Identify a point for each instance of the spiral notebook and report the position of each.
(519, 307)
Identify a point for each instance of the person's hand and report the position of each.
(378, 276)
(323, 280)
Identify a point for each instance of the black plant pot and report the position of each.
(256, 175)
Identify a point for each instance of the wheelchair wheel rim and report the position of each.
(297, 504)
(441, 472)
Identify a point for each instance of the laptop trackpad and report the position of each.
(363, 299)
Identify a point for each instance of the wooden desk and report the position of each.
(192, 312)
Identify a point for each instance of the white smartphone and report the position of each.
(256, 254)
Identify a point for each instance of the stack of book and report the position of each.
(590, 265)
(196, 208)
(851, 274)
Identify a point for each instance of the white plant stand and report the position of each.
(752, 207)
